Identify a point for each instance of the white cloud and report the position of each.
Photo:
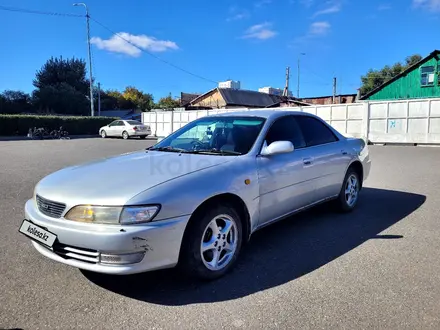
(237, 14)
(316, 30)
(384, 6)
(116, 44)
(332, 7)
(319, 28)
(431, 5)
(260, 31)
(305, 3)
(262, 3)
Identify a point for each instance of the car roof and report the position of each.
(259, 113)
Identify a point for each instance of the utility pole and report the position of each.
(334, 89)
(286, 87)
(92, 108)
(99, 99)
(297, 94)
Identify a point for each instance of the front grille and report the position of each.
(71, 252)
(50, 208)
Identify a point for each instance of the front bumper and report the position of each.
(81, 245)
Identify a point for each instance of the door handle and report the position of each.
(344, 152)
(307, 161)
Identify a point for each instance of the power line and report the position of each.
(151, 54)
(30, 11)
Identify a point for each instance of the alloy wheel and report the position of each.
(219, 242)
(351, 190)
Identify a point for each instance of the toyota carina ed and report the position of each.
(198, 196)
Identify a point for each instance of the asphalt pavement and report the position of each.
(377, 268)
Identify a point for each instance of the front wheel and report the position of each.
(212, 244)
(349, 194)
(103, 134)
(125, 135)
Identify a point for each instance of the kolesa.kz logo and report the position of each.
(35, 232)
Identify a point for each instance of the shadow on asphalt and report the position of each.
(276, 254)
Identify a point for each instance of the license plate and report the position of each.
(37, 233)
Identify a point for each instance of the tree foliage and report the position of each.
(375, 78)
(12, 102)
(62, 87)
(167, 103)
(113, 100)
(142, 101)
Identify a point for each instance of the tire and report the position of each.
(349, 194)
(103, 134)
(125, 135)
(196, 263)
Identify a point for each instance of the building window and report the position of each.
(438, 73)
(427, 75)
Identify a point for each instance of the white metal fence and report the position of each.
(403, 121)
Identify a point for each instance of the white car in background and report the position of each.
(125, 129)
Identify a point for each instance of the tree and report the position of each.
(168, 103)
(62, 87)
(375, 78)
(12, 102)
(140, 100)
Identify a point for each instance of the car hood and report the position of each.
(115, 180)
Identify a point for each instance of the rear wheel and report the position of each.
(125, 135)
(212, 243)
(349, 194)
(103, 134)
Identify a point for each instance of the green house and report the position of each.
(421, 80)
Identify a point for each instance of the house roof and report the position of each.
(325, 97)
(245, 97)
(403, 73)
(289, 101)
(186, 98)
(116, 113)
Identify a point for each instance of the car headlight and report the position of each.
(138, 214)
(112, 214)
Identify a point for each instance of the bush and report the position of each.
(20, 124)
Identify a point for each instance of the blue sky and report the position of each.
(249, 40)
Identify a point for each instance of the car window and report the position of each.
(119, 123)
(215, 135)
(314, 131)
(133, 122)
(286, 129)
(113, 123)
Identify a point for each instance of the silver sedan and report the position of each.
(199, 194)
(125, 129)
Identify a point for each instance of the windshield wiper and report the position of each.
(215, 151)
(169, 148)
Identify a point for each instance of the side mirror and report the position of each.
(277, 147)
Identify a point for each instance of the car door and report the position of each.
(327, 155)
(118, 128)
(286, 180)
(111, 128)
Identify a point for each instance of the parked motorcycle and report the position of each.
(60, 134)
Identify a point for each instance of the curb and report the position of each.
(25, 138)
(72, 137)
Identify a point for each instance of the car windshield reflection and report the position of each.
(220, 135)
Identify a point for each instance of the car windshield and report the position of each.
(134, 122)
(221, 135)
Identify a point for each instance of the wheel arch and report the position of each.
(358, 167)
(229, 199)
